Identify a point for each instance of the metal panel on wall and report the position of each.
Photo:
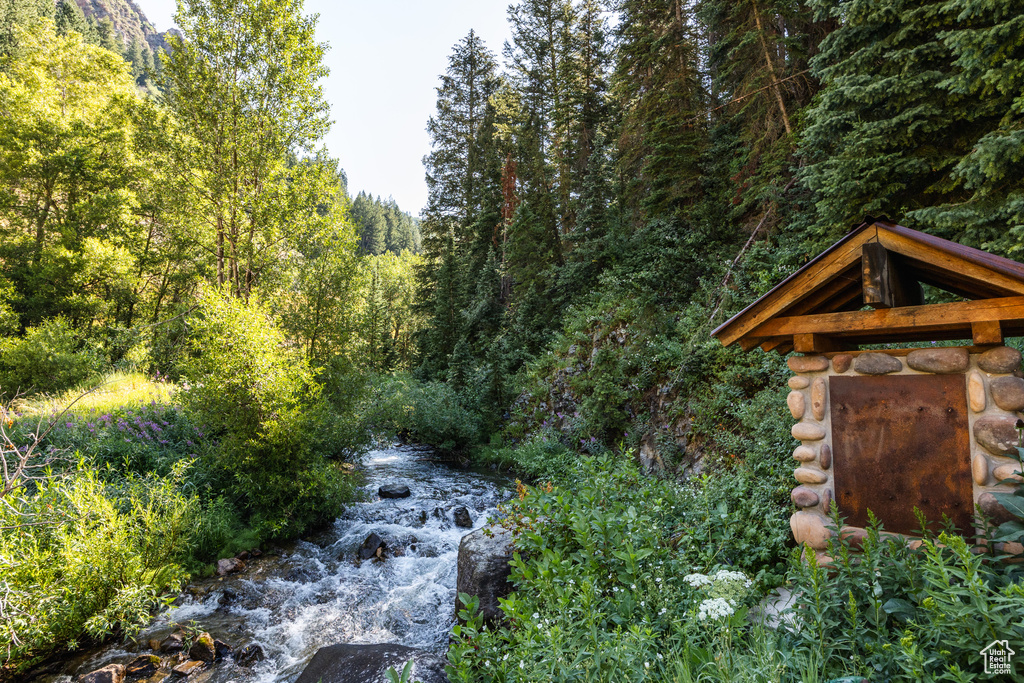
(899, 442)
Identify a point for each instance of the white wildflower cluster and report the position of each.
(715, 608)
(698, 580)
(738, 577)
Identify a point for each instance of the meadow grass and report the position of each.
(103, 394)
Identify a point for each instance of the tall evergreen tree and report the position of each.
(69, 17)
(19, 13)
(658, 85)
(884, 134)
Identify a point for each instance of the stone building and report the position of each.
(891, 429)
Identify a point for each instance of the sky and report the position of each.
(385, 57)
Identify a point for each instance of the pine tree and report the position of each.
(452, 166)
(20, 13)
(658, 83)
(884, 135)
(69, 17)
(987, 48)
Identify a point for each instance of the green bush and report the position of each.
(78, 557)
(275, 431)
(51, 357)
(429, 413)
(889, 612)
(601, 594)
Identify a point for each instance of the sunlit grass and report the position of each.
(115, 390)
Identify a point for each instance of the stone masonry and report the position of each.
(995, 391)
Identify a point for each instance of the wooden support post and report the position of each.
(885, 283)
(987, 332)
(814, 343)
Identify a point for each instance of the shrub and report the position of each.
(601, 594)
(257, 397)
(80, 558)
(430, 413)
(50, 357)
(889, 612)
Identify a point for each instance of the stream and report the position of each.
(314, 592)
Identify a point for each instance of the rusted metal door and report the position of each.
(900, 442)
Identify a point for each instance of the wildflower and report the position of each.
(715, 608)
(697, 580)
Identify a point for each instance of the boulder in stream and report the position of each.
(222, 648)
(142, 667)
(172, 643)
(203, 648)
(229, 565)
(250, 654)
(112, 673)
(394, 491)
(373, 546)
(483, 567)
(369, 664)
(462, 518)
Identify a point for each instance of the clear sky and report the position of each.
(385, 57)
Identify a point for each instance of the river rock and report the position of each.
(997, 433)
(1008, 471)
(993, 509)
(1008, 393)
(809, 528)
(944, 361)
(462, 518)
(804, 497)
(203, 648)
(826, 502)
(876, 364)
(976, 392)
(819, 391)
(797, 383)
(797, 404)
(369, 664)
(804, 454)
(842, 362)
(373, 546)
(802, 364)
(826, 457)
(808, 431)
(222, 648)
(483, 569)
(979, 469)
(112, 673)
(394, 491)
(806, 475)
(855, 536)
(250, 654)
(187, 668)
(229, 565)
(142, 667)
(172, 643)
(1001, 360)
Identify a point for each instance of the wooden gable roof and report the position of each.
(818, 308)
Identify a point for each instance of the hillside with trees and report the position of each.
(201, 331)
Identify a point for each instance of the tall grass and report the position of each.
(113, 391)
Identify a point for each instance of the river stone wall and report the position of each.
(995, 399)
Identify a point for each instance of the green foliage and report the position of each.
(49, 358)
(601, 593)
(80, 558)
(901, 614)
(275, 429)
(425, 412)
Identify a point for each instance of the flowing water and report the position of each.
(294, 600)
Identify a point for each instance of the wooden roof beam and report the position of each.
(948, 317)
